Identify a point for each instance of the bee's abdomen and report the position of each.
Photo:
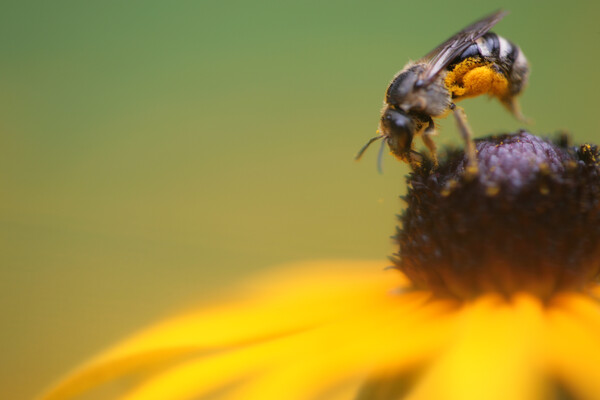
(490, 47)
(502, 54)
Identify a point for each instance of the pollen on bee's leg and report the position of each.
(528, 221)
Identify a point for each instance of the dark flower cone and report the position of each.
(529, 220)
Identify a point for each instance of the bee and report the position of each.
(471, 63)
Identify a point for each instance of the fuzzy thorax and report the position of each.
(528, 221)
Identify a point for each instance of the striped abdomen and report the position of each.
(492, 65)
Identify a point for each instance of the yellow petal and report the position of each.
(318, 360)
(574, 345)
(303, 296)
(495, 355)
(201, 376)
(382, 338)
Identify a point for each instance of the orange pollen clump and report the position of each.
(472, 78)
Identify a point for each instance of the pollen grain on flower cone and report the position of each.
(528, 220)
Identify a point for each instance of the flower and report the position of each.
(492, 295)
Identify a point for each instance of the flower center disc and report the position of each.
(528, 221)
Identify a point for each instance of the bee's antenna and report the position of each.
(364, 148)
(380, 158)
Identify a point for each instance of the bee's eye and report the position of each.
(399, 131)
(398, 123)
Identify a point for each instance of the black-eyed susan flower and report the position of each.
(492, 295)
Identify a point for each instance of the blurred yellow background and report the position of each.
(155, 151)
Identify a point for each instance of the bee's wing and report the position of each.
(443, 55)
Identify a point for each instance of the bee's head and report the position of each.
(398, 130)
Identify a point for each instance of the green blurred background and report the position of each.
(154, 151)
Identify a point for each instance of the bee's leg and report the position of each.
(512, 104)
(428, 140)
(465, 131)
(416, 159)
